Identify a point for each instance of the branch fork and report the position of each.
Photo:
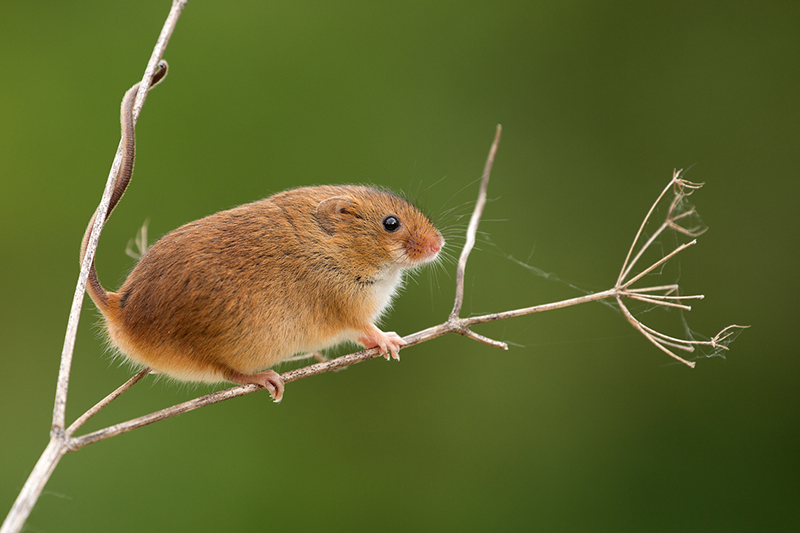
(666, 295)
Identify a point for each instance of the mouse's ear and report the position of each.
(331, 211)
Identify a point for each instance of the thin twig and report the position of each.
(471, 321)
(640, 327)
(664, 296)
(485, 340)
(670, 288)
(635, 296)
(625, 266)
(657, 264)
(681, 344)
(472, 229)
(107, 400)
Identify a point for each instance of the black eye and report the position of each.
(391, 223)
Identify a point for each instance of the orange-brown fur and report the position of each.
(245, 288)
(239, 291)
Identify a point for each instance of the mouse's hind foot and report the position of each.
(270, 380)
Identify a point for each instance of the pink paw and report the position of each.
(270, 380)
(389, 343)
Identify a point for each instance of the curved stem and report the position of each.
(59, 439)
(62, 386)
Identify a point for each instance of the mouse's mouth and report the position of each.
(421, 249)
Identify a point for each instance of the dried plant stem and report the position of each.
(472, 229)
(676, 183)
(105, 401)
(77, 301)
(456, 325)
(658, 263)
(59, 438)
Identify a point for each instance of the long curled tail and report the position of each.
(98, 294)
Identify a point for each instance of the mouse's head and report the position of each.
(378, 228)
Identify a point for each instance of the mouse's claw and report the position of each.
(389, 342)
(270, 380)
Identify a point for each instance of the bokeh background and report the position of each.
(582, 425)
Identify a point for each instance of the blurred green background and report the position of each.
(582, 425)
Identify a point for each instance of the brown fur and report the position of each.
(245, 288)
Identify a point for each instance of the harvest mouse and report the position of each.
(226, 297)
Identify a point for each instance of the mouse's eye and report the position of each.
(391, 223)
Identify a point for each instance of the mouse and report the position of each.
(227, 297)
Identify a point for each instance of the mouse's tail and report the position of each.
(98, 294)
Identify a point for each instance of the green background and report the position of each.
(582, 425)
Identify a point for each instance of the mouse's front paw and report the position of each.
(389, 342)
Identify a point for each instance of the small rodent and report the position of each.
(225, 297)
